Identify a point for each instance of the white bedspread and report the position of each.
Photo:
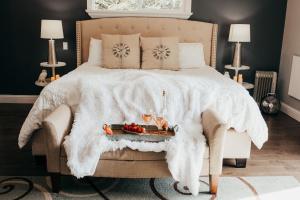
(99, 96)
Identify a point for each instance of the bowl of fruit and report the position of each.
(133, 129)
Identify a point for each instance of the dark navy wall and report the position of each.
(267, 19)
(22, 49)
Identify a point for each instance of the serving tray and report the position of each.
(152, 134)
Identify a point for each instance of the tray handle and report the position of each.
(176, 128)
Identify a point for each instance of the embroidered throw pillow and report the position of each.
(121, 51)
(160, 53)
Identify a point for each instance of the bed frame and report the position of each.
(237, 145)
(187, 31)
(222, 142)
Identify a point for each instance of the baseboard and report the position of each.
(290, 111)
(18, 99)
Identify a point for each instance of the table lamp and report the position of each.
(239, 33)
(52, 29)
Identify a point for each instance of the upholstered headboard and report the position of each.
(187, 31)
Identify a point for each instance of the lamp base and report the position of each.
(237, 55)
(52, 55)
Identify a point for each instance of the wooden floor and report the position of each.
(13, 161)
(279, 156)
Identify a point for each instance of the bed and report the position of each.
(53, 114)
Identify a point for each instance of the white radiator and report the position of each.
(265, 83)
(294, 88)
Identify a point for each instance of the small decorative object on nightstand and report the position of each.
(42, 79)
(226, 74)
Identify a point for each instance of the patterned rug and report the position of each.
(36, 188)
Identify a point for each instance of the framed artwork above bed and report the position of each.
(144, 8)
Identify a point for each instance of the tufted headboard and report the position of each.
(186, 30)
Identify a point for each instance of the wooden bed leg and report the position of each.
(213, 184)
(240, 163)
(55, 182)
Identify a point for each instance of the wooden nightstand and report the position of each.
(53, 66)
(246, 85)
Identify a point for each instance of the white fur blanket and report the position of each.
(100, 96)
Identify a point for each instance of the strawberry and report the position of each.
(126, 127)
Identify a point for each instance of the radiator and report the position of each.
(265, 82)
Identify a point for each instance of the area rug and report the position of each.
(36, 188)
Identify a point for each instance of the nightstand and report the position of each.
(247, 86)
(52, 66)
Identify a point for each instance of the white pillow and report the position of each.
(95, 52)
(191, 55)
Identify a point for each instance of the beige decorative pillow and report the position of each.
(160, 53)
(121, 51)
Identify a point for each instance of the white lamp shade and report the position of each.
(239, 33)
(51, 29)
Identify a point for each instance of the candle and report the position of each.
(240, 79)
(52, 78)
(235, 78)
(57, 77)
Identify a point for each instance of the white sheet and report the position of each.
(99, 95)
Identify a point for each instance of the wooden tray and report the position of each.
(152, 134)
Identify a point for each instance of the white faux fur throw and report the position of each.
(99, 96)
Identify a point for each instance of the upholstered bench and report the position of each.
(127, 163)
